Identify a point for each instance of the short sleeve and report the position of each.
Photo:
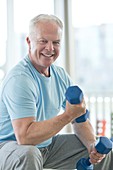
(19, 97)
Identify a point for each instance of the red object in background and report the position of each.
(101, 127)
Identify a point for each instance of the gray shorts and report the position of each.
(63, 153)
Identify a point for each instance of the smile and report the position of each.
(48, 55)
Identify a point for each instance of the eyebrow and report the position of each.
(48, 40)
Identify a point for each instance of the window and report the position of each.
(93, 31)
(92, 22)
(3, 37)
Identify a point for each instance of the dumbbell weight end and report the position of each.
(103, 146)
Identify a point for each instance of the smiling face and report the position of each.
(44, 45)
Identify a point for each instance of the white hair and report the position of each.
(41, 18)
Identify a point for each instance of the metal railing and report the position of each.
(100, 106)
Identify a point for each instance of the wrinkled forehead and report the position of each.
(48, 29)
(48, 26)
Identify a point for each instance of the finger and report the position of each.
(100, 155)
(95, 157)
(93, 161)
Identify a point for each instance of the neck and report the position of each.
(45, 73)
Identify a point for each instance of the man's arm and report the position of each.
(28, 131)
(85, 133)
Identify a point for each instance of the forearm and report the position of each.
(38, 132)
(32, 132)
(85, 133)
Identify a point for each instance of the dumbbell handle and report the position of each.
(74, 95)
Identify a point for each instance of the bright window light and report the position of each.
(25, 10)
(91, 12)
(3, 32)
(1, 74)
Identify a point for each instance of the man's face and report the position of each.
(44, 46)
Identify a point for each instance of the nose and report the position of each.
(49, 46)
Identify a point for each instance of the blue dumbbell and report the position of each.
(74, 95)
(103, 146)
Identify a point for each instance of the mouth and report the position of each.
(47, 55)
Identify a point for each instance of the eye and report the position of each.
(56, 42)
(42, 41)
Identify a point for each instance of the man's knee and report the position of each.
(25, 157)
(31, 153)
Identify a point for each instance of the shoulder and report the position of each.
(58, 69)
(20, 72)
(61, 73)
(17, 77)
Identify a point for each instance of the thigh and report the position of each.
(64, 152)
(14, 156)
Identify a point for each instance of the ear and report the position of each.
(28, 40)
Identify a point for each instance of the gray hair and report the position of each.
(44, 17)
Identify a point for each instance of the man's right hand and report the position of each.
(75, 110)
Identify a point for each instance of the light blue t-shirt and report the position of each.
(26, 93)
